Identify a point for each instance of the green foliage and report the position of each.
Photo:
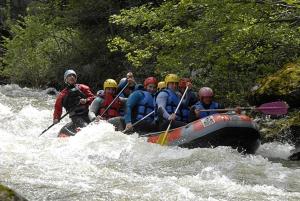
(57, 35)
(224, 44)
(30, 54)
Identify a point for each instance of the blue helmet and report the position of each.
(123, 80)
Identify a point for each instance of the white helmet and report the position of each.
(69, 72)
(206, 92)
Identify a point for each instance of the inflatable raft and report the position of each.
(237, 131)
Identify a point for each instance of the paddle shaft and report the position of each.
(60, 118)
(169, 126)
(55, 123)
(114, 99)
(241, 108)
(136, 123)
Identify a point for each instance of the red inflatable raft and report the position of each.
(237, 131)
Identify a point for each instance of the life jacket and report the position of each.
(114, 110)
(71, 101)
(172, 103)
(144, 107)
(199, 106)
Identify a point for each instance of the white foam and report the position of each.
(275, 150)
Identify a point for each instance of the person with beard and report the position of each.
(130, 87)
(75, 98)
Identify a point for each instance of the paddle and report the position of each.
(114, 99)
(60, 118)
(272, 108)
(124, 131)
(162, 137)
(55, 123)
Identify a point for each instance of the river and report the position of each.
(101, 164)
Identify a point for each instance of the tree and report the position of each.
(223, 44)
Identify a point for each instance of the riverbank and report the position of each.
(6, 194)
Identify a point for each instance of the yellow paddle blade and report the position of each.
(162, 139)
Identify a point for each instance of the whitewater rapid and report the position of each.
(102, 164)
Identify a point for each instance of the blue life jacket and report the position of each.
(172, 103)
(213, 105)
(145, 106)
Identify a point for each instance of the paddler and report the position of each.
(75, 98)
(131, 85)
(205, 102)
(167, 101)
(103, 100)
(139, 104)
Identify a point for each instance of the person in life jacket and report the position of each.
(139, 104)
(205, 102)
(75, 98)
(161, 85)
(167, 101)
(103, 100)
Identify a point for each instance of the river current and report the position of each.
(102, 164)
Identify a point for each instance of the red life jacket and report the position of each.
(114, 110)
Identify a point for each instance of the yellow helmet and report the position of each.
(161, 85)
(171, 78)
(110, 83)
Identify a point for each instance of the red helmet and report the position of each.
(150, 80)
(206, 92)
(183, 81)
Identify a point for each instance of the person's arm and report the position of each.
(161, 101)
(123, 100)
(58, 107)
(121, 85)
(86, 90)
(132, 101)
(195, 113)
(94, 108)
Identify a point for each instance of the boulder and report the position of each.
(282, 85)
(7, 194)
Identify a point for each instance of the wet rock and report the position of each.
(51, 91)
(295, 154)
(286, 129)
(7, 194)
(282, 85)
